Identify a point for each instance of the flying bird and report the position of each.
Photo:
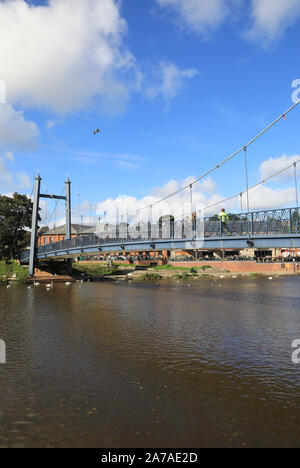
(97, 131)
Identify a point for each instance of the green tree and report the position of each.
(15, 220)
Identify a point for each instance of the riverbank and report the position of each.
(182, 270)
(123, 271)
(13, 271)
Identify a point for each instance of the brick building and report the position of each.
(59, 233)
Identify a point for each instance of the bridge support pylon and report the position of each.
(68, 219)
(34, 224)
(35, 217)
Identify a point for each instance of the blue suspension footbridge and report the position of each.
(279, 228)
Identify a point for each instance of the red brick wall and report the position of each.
(55, 238)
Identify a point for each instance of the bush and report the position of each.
(8, 270)
(150, 276)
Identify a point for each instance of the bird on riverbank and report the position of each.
(68, 283)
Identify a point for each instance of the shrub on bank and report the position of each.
(95, 270)
(13, 270)
(150, 276)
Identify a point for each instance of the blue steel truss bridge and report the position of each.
(259, 229)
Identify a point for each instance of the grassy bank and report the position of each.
(94, 270)
(13, 270)
(154, 273)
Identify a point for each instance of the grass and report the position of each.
(13, 268)
(99, 271)
(183, 275)
(95, 270)
(150, 276)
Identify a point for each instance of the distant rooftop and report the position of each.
(75, 229)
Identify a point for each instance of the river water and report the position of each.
(201, 363)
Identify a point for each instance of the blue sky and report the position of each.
(175, 87)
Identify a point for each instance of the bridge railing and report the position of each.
(260, 223)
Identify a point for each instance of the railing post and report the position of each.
(252, 224)
(290, 222)
(194, 226)
(34, 224)
(221, 228)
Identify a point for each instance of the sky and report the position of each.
(174, 86)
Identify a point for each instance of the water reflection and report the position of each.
(170, 365)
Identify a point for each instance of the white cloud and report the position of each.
(204, 194)
(272, 19)
(201, 16)
(170, 81)
(9, 156)
(50, 124)
(273, 165)
(269, 19)
(63, 55)
(15, 131)
(129, 162)
(264, 197)
(207, 201)
(10, 182)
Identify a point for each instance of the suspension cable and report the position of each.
(263, 181)
(56, 204)
(210, 171)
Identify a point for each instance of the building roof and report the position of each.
(75, 229)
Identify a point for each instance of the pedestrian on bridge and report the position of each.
(224, 218)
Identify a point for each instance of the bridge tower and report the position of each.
(35, 215)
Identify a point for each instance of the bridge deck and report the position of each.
(264, 229)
